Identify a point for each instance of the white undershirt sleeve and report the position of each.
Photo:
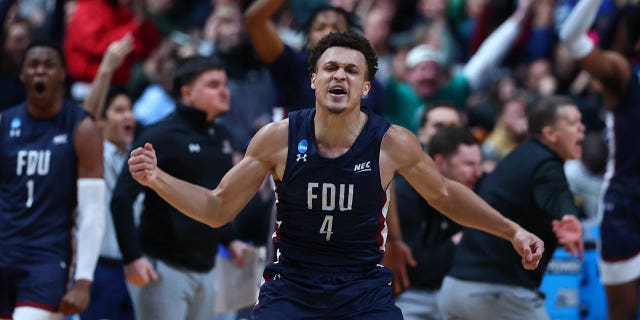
(491, 52)
(573, 31)
(90, 224)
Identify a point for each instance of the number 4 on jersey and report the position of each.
(327, 226)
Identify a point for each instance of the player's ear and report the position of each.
(313, 81)
(365, 88)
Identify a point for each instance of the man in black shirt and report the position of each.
(169, 262)
(431, 235)
(529, 187)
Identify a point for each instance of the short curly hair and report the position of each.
(352, 20)
(350, 40)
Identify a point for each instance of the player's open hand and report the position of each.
(530, 248)
(143, 164)
(117, 52)
(396, 257)
(140, 272)
(569, 234)
(76, 300)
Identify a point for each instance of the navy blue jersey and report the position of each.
(331, 212)
(38, 173)
(620, 239)
(623, 170)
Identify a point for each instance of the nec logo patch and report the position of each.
(60, 139)
(362, 167)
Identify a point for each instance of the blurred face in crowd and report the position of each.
(17, 40)
(432, 8)
(540, 78)
(514, 118)
(43, 76)
(165, 68)
(462, 166)
(398, 64)
(424, 78)
(119, 123)
(324, 23)
(340, 79)
(208, 93)
(437, 118)
(506, 88)
(377, 27)
(229, 31)
(566, 135)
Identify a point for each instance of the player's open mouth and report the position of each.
(39, 87)
(338, 90)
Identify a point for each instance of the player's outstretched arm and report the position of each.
(219, 206)
(401, 152)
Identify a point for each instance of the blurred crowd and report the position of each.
(476, 64)
(430, 52)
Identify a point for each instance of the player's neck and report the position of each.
(336, 133)
(44, 108)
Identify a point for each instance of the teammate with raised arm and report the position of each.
(619, 73)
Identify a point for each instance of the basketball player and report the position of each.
(51, 155)
(332, 166)
(619, 73)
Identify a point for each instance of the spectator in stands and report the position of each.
(442, 114)
(289, 67)
(510, 130)
(426, 76)
(89, 34)
(112, 107)
(528, 186)
(169, 259)
(16, 36)
(431, 235)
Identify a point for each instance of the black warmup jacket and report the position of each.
(189, 148)
(529, 187)
(428, 233)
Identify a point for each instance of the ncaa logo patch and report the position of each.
(16, 123)
(303, 145)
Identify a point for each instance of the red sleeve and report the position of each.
(94, 26)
